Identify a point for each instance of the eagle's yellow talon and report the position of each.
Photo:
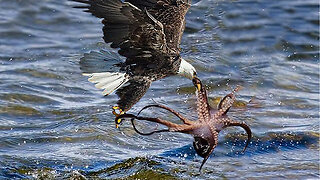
(120, 111)
(117, 114)
(115, 107)
(119, 121)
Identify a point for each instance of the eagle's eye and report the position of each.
(202, 146)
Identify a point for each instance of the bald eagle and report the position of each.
(147, 33)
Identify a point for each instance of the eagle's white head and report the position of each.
(187, 70)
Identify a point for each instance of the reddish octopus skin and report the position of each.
(206, 129)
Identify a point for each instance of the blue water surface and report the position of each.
(54, 124)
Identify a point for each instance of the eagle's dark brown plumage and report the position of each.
(148, 34)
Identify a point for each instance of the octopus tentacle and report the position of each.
(172, 127)
(203, 107)
(215, 136)
(203, 162)
(224, 105)
(245, 127)
(182, 118)
(157, 120)
(146, 134)
(226, 102)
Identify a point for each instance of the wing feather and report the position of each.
(171, 13)
(129, 28)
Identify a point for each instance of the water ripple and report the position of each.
(55, 124)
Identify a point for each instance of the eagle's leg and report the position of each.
(181, 117)
(117, 114)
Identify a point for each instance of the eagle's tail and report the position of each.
(108, 81)
(103, 69)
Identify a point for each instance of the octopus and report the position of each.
(205, 130)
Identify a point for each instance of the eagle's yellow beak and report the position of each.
(196, 81)
(199, 87)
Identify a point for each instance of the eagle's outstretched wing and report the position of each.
(148, 34)
(135, 31)
(171, 13)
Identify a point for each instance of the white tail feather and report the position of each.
(108, 81)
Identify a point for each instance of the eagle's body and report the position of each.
(148, 34)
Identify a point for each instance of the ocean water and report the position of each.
(54, 124)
